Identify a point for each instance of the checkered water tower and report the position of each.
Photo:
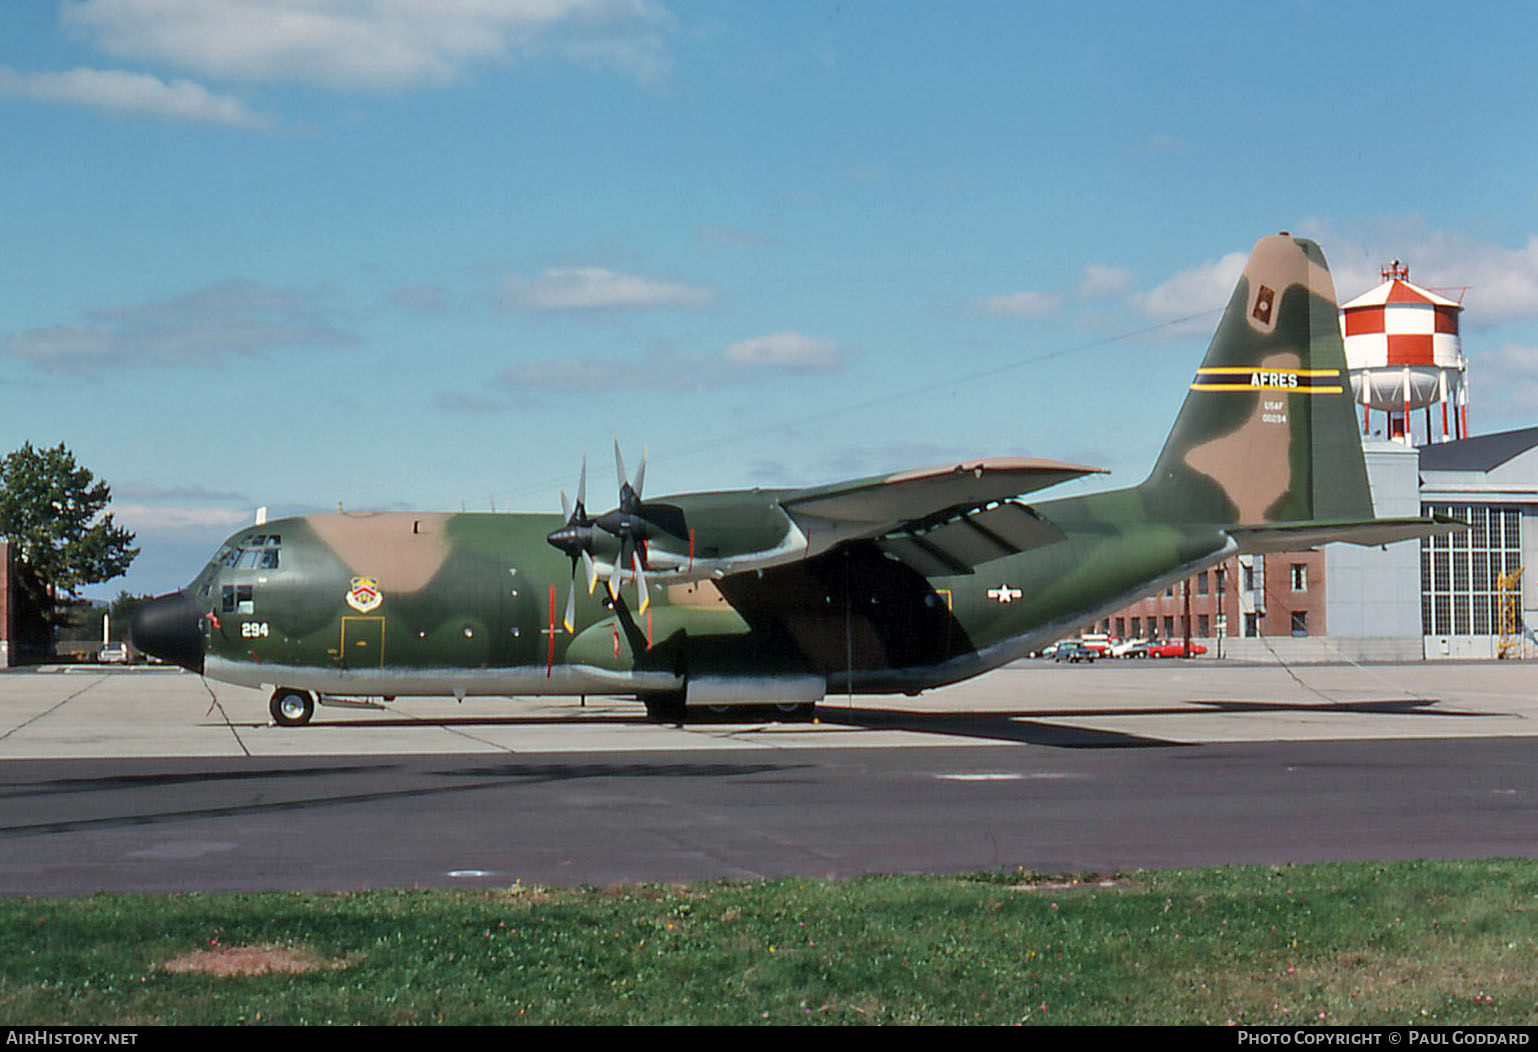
(1404, 355)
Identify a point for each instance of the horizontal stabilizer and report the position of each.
(1291, 536)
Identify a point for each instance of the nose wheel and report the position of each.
(291, 707)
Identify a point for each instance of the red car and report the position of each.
(1175, 649)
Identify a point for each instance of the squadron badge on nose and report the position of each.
(364, 594)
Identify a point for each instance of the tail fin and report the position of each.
(1268, 432)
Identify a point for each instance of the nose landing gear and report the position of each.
(291, 707)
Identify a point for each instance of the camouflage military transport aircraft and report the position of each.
(897, 583)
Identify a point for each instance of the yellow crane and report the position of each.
(1510, 587)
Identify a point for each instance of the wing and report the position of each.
(940, 520)
(887, 501)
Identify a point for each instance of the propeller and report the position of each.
(576, 540)
(626, 524)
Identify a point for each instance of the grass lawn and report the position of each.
(1397, 943)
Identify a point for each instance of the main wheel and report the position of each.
(291, 707)
(796, 710)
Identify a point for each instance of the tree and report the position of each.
(51, 510)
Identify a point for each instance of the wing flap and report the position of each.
(960, 544)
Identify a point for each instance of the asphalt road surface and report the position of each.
(156, 781)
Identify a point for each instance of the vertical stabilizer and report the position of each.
(1267, 433)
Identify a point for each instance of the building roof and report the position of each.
(1397, 291)
(1480, 453)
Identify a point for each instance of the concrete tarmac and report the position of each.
(153, 780)
(93, 712)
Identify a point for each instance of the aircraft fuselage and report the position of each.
(436, 604)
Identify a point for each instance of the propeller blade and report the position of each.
(640, 583)
(619, 466)
(614, 571)
(582, 486)
(640, 475)
(592, 571)
(570, 621)
(566, 508)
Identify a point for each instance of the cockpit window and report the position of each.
(237, 599)
(258, 552)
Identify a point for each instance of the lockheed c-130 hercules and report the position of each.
(896, 583)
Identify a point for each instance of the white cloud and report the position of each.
(593, 375)
(419, 297)
(372, 44)
(1497, 283)
(139, 94)
(1102, 281)
(594, 288)
(1159, 142)
(197, 328)
(1020, 305)
(1514, 368)
(159, 518)
(1195, 290)
(792, 351)
(738, 363)
(139, 491)
(1502, 282)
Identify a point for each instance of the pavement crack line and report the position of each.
(213, 703)
(53, 708)
(452, 730)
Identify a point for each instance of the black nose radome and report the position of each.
(168, 627)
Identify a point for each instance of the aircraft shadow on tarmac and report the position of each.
(1024, 726)
(993, 726)
(1030, 726)
(445, 722)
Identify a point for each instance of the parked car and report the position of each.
(1174, 649)
(1075, 652)
(1130, 648)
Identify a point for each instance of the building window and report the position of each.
(1461, 572)
(1203, 625)
(1249, 577)
(1201, 583)
(1221, 579)
(1251, 625)
(1137, 626)
(1121, 626)
(1299, 578)
(1300, 622)
(1169, 627)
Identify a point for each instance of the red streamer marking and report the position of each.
(550, 659)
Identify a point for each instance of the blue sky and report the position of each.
(416, 254)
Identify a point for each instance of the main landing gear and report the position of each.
(670, 708)
(665, 708)
(291, 707)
